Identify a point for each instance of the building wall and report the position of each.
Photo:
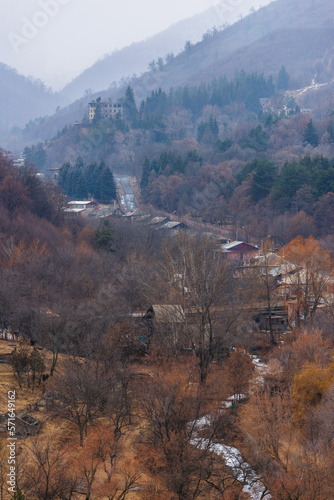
(108, 109)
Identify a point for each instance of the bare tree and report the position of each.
(239, 368)
(266, 287)
(87, 464)
(200, 283)
(108, 449)
(81, 394)
(266, 421)
(46, 471)
(51, 333)
(130, 476)
(170, 408)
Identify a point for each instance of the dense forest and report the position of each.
(82, 181)
(235, 151)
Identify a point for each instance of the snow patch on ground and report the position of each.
(229, 402)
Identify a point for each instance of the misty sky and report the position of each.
(55, 40)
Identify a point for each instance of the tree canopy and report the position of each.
(82, 180)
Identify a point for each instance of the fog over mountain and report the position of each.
(135, 58)
(296, 34)
(56, 40)
(22, 99)
(25, 98)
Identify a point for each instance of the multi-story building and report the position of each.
(106, 109)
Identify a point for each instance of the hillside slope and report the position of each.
(298, 35)
(302, 51)
(22, 99)
(135, 58)
(294, 33)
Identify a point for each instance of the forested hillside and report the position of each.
(297, 36)
(233, 150)
(154, 51)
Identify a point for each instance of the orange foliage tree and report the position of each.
(309, 386)
(265, 421)
(239, 368)
(311, 347)
(170, 408)
(103, 454)
(310, 276)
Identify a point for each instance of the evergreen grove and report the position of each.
(80, 181)
(244, 88)
(262, 175)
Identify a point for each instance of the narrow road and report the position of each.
(125, 191)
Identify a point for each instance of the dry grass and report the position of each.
(66, 436)
(62, 432)
(24, 397)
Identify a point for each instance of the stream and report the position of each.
(242, 470)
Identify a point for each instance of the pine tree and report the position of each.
(90, 177)
(73, 178)
(81, 191)
(36, 155)
(105, 186)
(130, 108)
(257, 139)
(224, 145)
(213, 126)
(310, 135)
(201, 131)
(79, 163)
(291, 178)
(104, 236)
(64, 175)
(283, 79)
(147, 169)
(265, 173)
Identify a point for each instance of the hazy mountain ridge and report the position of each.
(300, 50)
(135, 58)
(296, 34)
(260, 32)
(22, 98)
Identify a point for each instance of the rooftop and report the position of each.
(81, 202)
(234, 244)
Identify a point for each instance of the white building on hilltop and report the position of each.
(106, 109)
